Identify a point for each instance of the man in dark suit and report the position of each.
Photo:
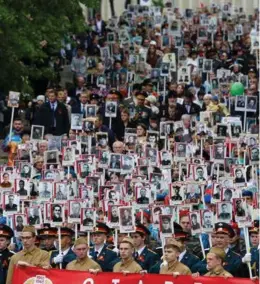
(53, 115)
(189, 107)
(100, 25)
(80, 107)
(114, 163)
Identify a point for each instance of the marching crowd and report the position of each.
(149, 163)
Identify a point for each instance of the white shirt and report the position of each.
(99, 25)
(140, 251)
(65, 251)
(182, 255)
(99, 250)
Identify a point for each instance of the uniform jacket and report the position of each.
(147, 258)
(67, 258)
(5, 256)
(105, 259)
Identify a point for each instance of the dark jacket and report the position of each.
(45, 117)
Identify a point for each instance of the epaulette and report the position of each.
(91, 247)
(152, 251)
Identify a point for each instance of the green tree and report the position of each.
(30, 32)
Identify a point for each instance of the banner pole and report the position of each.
(246, 234)
(202, 247)
(76, 231)
(59, 239)
(11, 124)
(164, 89)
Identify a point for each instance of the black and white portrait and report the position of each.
(224, 212)
(37, 132)
(104, 52)
(165, 68)
(101, 81)
(68, 156)
(13, 99)
(200, 173)
(76, 121)
(26, 170)
(195, 222)
(22, 188)
(115, 162)
(251, 103)
(57, 213)
(91, 110)
(222, 130)
(127, 163)
(74, 209)
(239, 174)
(166, 158)
(180, 150)
(110, 109)
(34, 215)
(176, 194)
(11, 203)
(207, 65)
(61, 191)
(240, 103)
(45, 190)
(51, 157)
(126, 219)
(254, 154)
(207, 220)
(152, 137)
(88, 218)
(102, 139)
(219, 151)
(166, 224)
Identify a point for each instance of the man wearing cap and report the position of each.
(187, 258)
(173, 266)
(83, 262)
(100, 252)
(6, 233)
(30, 255)
(66, 255)
(48, 235)
(143, 256)
(215, 260)
(253, 256)
(232, 261)
(127, 263)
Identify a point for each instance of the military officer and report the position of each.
(48, 237)
(173, 266)
(100, 252)
(66, 255)
(30, 255)
(143, 256)
(127, 263)
(6, 233)
(83, 262)
(142, 113)
(215, 259)
(233, 262)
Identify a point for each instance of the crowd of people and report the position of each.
(150, 162)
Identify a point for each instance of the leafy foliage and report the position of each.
(30, 32)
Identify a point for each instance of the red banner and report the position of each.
(33, 275)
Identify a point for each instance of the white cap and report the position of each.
(153, 42)
(40, 98)
(151, 99)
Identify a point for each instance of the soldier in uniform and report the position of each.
(233, 262)
(173, 266)
(6, 233)
(100, 252)
(30, 255)
(66, 255)
(142, 113)
(215, 259)
(254, 251)
(143, 255)
(185, 257)
(48, 236)
(83, 262)
(127, 263)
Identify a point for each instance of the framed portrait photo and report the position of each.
(37, 132)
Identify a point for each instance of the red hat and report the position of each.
(234, 226)
(145, 214)
(183, 213)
